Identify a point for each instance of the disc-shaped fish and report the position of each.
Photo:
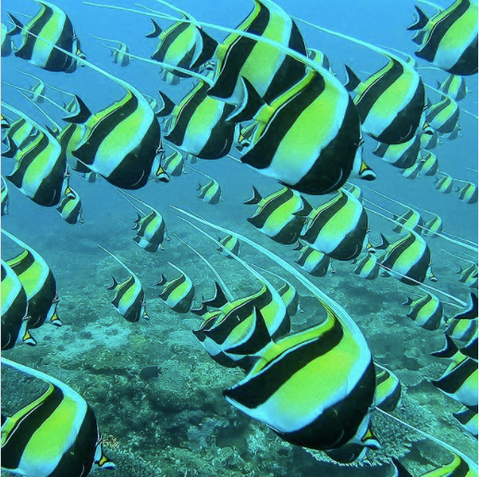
(426, 311)
(411, 172)
(5, 197)
(444, 183)
(280, 215)
(468, 273)
(177, 293)
(402, 155)
(21, 132)
(388, 390)
(14, 310)
(467, 193)
(230, 243)
(433, 227)
(428, 164)
(33, 442)
(454, 86)
(338, 227)
(39, 284)
(70, 207)
(464, 325)
(367, 266)
(443, 116)
(120, 53)
(211, 192)
(449, 39)
(312, 261)
(174, 163)
(54, 26)
(457, 132)
(410, 220)
(429, 140)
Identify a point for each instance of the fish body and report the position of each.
(429, 141)
(433, 227)
(174, 164)
(402, 155)
(211, 192)
(151, 231)
(388, 391)
(230, 243)
(428, 164)
(410, 220)
(454, 86)
(177, 293)
(443, 116)
(70, 207)
(468, 419)
(426, 311)
(444, 184)
(468, 193)
(367, 266)
(313, 262)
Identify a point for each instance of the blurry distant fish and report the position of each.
(449, 39)
(454, 86)
(232, 244)
(70, 207)
(388, 389)
(312, 261)
(320, 58)
(429, 141)
(14, 310)
(467, 193)
(174, 163)
(443, 116)
(54, 26)
(151, 228)
(163, 107)
(120, 53)
(7, 41)
(433, 227)
(5, 197)
(426, 311)
(428, 164)
(411, 220)
(129, 299)
(177, 293)
(399, 155)
(33, 442)
(367, 266)
(411, 172)
(444, 183)
(280, 215)
(457, 132)
(211, 192)
(468, 419)
(338, 228)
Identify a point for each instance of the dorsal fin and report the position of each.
(219, 299)
(472, 311)
(255, 199)
(208, 50)
(168, 106)
(251, 103)
(352, 79)
(81, 114)
(156, 30)
(448, 350)
(420, 21)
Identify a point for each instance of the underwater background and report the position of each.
(156, 394)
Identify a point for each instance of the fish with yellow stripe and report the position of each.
(402, 155)
(70, 207)
(312, 261)
(444, 183)
(388, 390)
(211, 192)
(464, 325)
(468, 419)
(56, 434)
(280, 215)
(428, 164)
(230, 243)
(178, 293)
(454, 86)
(443, 116)
(429, 140)
(129, 299)
(426, 311)
(367, 266)
(467, 193)
(174, 163)
(7, 40)
(120, 53)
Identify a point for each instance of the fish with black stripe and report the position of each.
(280, 215)
(467, 193)
(433, 227)
(402, 155)
(338, 228)
(21, 132)
(51, 27)
(174, 164)
(14, 311)
(178, 293)
(70, 207)
(39, 284)
(120, 53)
(410, 220)
(388, 390)
(40, 167)
(454, 86)
(5, 209)
(230, 243)
(444, 184)
(426, 311)
(56, 434)
(320, 58)
(410, 173)
(367, 266)
(129, 299)
(464, 325)
(312, 261)
(428, 164)
(443, 116)
(151, 228)
(429, 140)
(449, 39)
(468, 275)
(211, 192)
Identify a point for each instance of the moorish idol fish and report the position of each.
(183, 44)
(426, 311)
(211, 192)
(312, 261)
(367, 266)
(177, 293)
(57, 434)
(433, 227)
(49, 29)
(338, 227)
(39, 284)
(21, 132)
(129, 299)
(402, 155)
(280, 215)
(40, 167)
(427, 164)
(411, 172)
(410, 220)
(293, 369)
(468, 419)
(429, 140)
(7, 41)
(443, 116)
(5, 197)
(120, 54)
(388, 390)
(174, 163)
(151, 228)
(70, 207)
(454, 86)
(464, 325)
(408, 257)
(320, 58)
(232, 244)
(467, 193)
(14, 310)
(449, 39)
(444, 183)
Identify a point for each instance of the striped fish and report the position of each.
(433, 226)
(7, 41)
(367, 266)
(14, 311)
(211, 192)
(426, 311)
(402, 155)
(408, 257)
(388, 390)
(151, 228)
(40, 167)
(429, 140)
(177, 293)
(337, 228)
(232, 244)
(5, 197)
(457, 132)
(183, 44)
(468, 275)
(280, 215)
(390, 102)
(449, 39)
(57, 434)
(70, 207)
(320, 58)
(238, 57)
(54, 26)
(120, 53)
(129, 299)
(467, 193)
(428, 164)
(39, 284)
(313, 262)
(454, 86)
(411, 172)
(444, 184)
(410, 220)
(459, 467)
(443, 116)
(21, 132)
(174, 163)
(468, 419)
(464, 325)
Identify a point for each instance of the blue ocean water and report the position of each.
(82, 269)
